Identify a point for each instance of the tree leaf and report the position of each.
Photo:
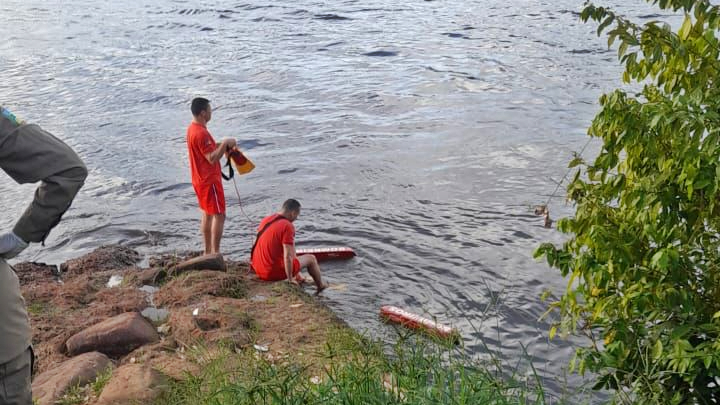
(657, 349)
(685, 28)
(608, 20)
(642, 245)
(660, 260)
(575, 162)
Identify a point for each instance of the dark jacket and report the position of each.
(29, 154)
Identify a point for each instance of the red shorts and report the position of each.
(279, 274)
(211, 198)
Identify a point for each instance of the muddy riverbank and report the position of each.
(92, 304)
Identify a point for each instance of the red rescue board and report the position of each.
(413, 321)
(324, 254)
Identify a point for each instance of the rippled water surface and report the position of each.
(420, 133)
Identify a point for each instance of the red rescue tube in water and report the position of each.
(324, 254)
(413, 321)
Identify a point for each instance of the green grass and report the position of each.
(101, 381)
(74, 396)
(353, 370)
(36, 308)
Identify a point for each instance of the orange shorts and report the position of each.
(211, 198)
(279, 274)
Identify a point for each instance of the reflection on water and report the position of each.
(420, 134)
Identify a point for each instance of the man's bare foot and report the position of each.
(321, 288)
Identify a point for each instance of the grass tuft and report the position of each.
(351, 369)
(101, 381)
(74, 396)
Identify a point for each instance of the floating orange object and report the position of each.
(324, 254)
(413, 321)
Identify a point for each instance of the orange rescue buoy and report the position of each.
(324, 254)
(242, 164)
(413, 321)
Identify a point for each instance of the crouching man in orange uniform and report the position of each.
(273, 256)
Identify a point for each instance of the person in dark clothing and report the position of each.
(29, 154)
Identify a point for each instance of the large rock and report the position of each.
(207, 262)
(116, 336)
(49, 386)
(134, 383)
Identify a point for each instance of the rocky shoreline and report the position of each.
(110, 332)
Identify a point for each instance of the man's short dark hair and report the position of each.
(199, 105)
(291, 205)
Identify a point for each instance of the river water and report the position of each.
(420, 133)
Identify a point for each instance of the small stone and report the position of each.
(148, 289)
(156, 315)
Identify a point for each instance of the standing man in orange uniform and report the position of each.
(205, 157)
(273, 255)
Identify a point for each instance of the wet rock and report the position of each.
(49, 386)
(151, 276)
(134, 383)
(206, 262)
(104, 258)
(115, 337)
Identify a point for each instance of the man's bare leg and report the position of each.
(313, 267)
(206, 230)
(218, 223)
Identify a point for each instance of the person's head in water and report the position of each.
(201, 109)
(291, 209)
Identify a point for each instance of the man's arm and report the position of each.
(29, 154)
(288, 256)
(217, 154)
